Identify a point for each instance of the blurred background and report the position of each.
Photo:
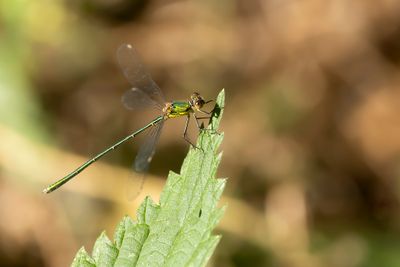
(312, 125)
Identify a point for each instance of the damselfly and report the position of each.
(144, 93)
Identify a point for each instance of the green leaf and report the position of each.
(177, 231)
(122, 227)
(104, 251)
(82, 259)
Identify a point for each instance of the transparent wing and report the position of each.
(134, 186)
(136, 74)
(136, 99)
(148, 148)
(142, 162)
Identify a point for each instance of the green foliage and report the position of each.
(176, 232)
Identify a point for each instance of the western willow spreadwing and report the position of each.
(144, 93)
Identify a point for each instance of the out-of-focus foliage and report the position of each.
(312, 147)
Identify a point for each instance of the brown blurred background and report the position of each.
(312, 125)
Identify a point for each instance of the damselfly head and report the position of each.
(196, 101)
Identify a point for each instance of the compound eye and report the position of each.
(195, 96)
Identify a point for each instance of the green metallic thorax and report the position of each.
(178, 109)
